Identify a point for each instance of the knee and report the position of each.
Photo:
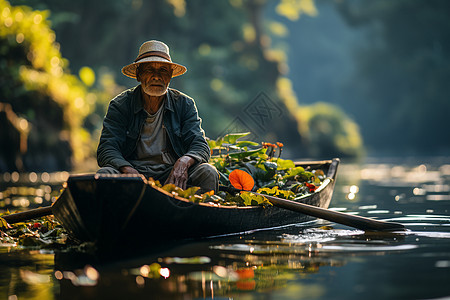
(206, 177)
(209, 170)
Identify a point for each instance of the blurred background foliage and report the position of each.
(386, 63)
(235, 51)
(404, 70)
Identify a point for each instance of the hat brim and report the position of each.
(130, 70)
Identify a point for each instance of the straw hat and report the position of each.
(153, 51)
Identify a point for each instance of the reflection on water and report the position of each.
(320, 260)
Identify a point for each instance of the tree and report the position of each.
(234, 73)
(38, 89)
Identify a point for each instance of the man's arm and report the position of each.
(193, 139)
(112, 139)
(193, 135)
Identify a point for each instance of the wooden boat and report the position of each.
(115, 208)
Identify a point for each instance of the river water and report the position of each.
(319, 260)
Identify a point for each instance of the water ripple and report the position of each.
(432, 219)
(366, 248)
(317, 235)
(430, 234)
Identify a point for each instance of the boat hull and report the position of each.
(109, 209)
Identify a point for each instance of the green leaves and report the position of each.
(189, 193)
(243, 154)
(251, 199)
(275, 191)
(271, 176)
(42, 232)
(231, 138)
(298, 174)
(293, 172)
(247, 143)
(285, 164)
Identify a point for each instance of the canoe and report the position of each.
(106, 209)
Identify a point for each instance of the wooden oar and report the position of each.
(358, 222)
(28, 215)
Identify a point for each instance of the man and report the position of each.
(154, 130)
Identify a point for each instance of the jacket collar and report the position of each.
(139, 102)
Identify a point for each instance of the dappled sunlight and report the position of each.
(278, 29)
(25, 190)
(43, 71)
(88, 276)
(386, 173)
(179, 7)
(293, 9)
(249, 33)
(46, 73)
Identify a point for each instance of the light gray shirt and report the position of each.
(151, 153)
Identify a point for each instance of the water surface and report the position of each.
(318, 260)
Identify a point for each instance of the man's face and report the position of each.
(154, 78)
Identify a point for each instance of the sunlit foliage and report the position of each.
(44, 232)
(245, 167)
(330, 131)
(87, 75)
(228, 47)
(325, 128)
(248, 166)
(43, 70)
(278, 29)
(293, 9)
(179, 7)
(37, 74)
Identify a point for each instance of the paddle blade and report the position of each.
(241, 180)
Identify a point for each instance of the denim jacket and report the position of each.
(126, 116)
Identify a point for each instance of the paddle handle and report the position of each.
(28, 215)
(359, 222)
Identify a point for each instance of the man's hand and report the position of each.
(128, 170)
(179, 174)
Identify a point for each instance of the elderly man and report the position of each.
(155, 130)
